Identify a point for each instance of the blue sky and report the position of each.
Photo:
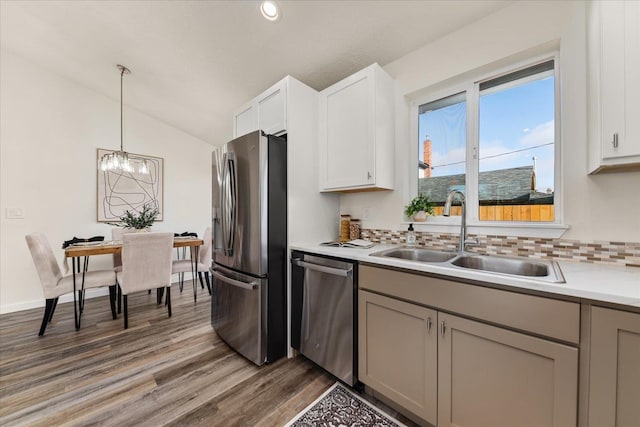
(516, 124)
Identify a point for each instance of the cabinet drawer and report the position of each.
(538, 315)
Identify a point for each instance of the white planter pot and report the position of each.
(420, 216)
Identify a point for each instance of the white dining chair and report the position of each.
(116, 234)
(54, 284)
(202, 265)
(146, 265)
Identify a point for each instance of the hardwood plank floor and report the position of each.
(161, 371)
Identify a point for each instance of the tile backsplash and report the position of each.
(600, 252)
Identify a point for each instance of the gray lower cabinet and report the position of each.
(398, 352)
(449, 370)
(614, 368)
(491, 376)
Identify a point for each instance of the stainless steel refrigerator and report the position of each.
(249, 305)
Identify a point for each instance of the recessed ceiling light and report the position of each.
(270, 10)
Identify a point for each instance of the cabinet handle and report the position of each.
(443, 327)
(368, 175)
(428, 325)
(615, 140)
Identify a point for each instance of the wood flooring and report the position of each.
(161, 371)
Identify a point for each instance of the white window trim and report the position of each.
(470, 86)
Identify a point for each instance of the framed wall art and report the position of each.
(120, 191)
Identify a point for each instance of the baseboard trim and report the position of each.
(28, 305)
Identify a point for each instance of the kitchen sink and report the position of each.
(416, 254)
(538, 269)
(548, 271)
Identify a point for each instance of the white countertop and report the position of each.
(612, 284)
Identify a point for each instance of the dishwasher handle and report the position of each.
(250, 286)
(322, 268)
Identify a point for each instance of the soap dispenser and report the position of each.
(411, 236)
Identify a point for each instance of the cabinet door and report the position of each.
(620, 86)
(245, 121)
(632, 81)
(614, 383)
(347, 146)
(616, 52)
(490, 376)
(398, 352)
(272, 109)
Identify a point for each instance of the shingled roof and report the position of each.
(504, 186)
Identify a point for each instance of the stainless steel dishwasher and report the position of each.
(323, 313)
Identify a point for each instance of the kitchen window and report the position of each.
(496, 140)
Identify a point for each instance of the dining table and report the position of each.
(85, 250)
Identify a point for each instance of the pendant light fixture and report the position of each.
(119, 161)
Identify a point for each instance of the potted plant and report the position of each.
(140, 220)
(419, 208)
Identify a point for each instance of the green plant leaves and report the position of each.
(143, 219)
(419, 203)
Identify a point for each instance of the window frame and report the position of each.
(470, 85)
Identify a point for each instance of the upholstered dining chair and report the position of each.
(54, 284)
(146, 264)
(202, 266)
(181, 252)
(116, 234)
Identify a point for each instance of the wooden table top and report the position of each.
(115, 247)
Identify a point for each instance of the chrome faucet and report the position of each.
(463, 221)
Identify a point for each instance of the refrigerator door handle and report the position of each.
(229, 204)
(234, 201)
(223, 204)
(249, 286)
(322, 268)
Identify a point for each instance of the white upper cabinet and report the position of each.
(356, 132)
(290, 107)
(245, 121)
(267, 111)
(614, 86)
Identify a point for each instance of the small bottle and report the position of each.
(411, 236)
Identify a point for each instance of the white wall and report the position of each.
(50, 129)
(603, 207)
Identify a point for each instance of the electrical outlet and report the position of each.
(15, 213)
(366, 214)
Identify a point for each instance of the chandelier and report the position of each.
(119, 161)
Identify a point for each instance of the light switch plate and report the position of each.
(366, 214)
(15, 213)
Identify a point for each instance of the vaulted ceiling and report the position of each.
(194, 62)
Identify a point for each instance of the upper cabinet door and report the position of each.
(267, 111)
(348, 110)
(614, 88)
(356, 132)
(246, 120)
(272, 109)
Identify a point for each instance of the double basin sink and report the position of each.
(548, 271)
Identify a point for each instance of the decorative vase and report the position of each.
(420, 216)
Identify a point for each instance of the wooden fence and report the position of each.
(533, 213)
